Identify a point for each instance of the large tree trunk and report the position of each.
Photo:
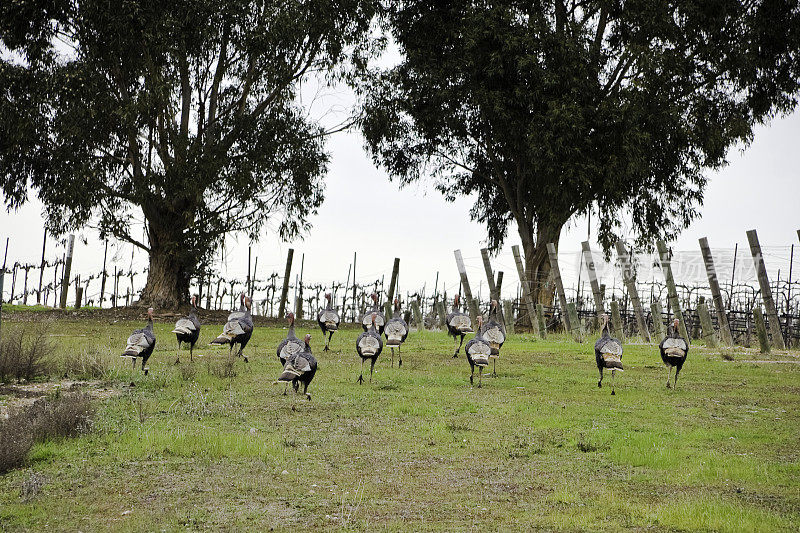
(171, 267)
(537, 262)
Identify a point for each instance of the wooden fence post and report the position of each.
(508, 308)
(577, 330)
(761, 330)
(2, 279)
(78, 295)
(617, 328)
(299, 289)
(526, 293)
(709, 334)
(716, 294)
(389, 303)
(556, 273)
(462, 271)
(67, 269)
(629, 277)
(672, 292)
(487, 266)
(766, 291)
(285, 288)
(41, 271)
(590, 267)
(658, 320)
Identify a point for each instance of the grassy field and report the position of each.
(538, 447)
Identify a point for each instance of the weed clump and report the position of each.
(66, 415)
(15, 441)
(48, 418)
(25, 356)
(223, 368)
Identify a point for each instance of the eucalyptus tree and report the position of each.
(184, 116)
(543, 111)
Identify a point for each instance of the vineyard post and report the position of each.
(462, 272)
(2, 278)
(41, 271)
(354, 285)
(591, 269)
(78, 292)
(299, 288)
(487, 266)
(761, 330)
(658, 319)
(672, 292)
(629, 277)
(103, 275)
(766, 292)
(285, 288)
(556, 273)
(716, 295)
(709, 334)
(388, 304)
(67, 269)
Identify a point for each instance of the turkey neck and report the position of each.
(329, 307)
(291, 328)
(149, 326)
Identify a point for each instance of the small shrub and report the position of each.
(66, 415)
(15, 440)
(60, 416)
(24, 355)
(31, 486)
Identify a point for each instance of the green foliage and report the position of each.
(547, 110)
(184, 114)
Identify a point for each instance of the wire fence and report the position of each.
(42, 283)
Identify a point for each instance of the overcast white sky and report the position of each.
(365, 213)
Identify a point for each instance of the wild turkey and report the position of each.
(380, 319)
(674, 350)
(369, 346)
(238, 329)
(458, 324)
(495, 334)
(608, 353)
(396, 331)
(328, 320)
(141, 343)
(187, 329)
(289, 346)
(299, 368)
(478, 351)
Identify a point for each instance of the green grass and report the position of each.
(538, 447)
